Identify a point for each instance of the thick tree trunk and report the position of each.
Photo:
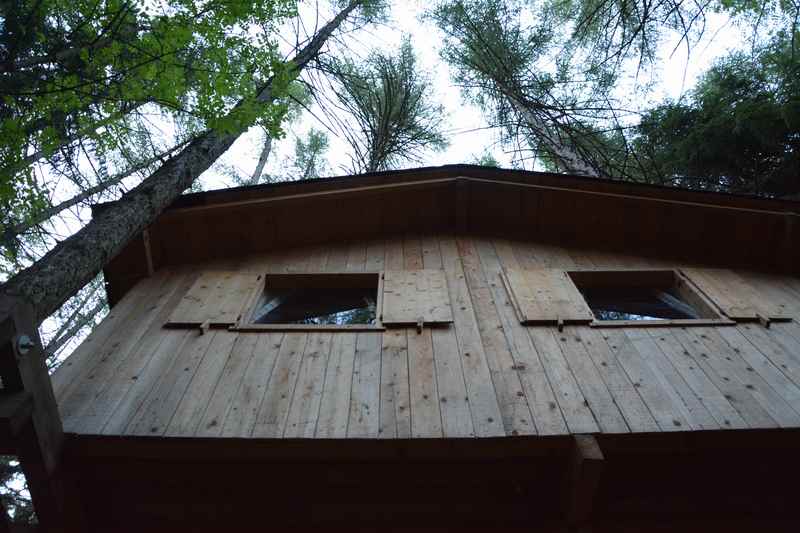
(48, 283)
(13, 231)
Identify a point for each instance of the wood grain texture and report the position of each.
(484, 374)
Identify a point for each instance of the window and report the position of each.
(318, 299)
(247, 301)
(609, 298)
(654, 297)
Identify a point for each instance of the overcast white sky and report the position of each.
(464, 125)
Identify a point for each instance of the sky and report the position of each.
(464, 125)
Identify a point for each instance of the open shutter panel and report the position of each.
(546, 296)
(216, 299)
(413, 296)
(736, 298)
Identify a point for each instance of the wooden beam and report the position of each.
(15, 411)
(584, 473)
(35, 434)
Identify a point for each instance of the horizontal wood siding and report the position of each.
(483, 375)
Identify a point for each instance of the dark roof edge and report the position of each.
(222, 196)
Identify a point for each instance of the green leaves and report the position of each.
(738, 132)
(74, 67)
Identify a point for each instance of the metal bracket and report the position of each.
(23, 344)
(420, 324)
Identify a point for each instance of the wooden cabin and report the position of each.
(440, 349)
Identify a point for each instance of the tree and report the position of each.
(738, 130)
(76, 260)
(519, 74)
(309, 156)
(75, 69)
(389, 99)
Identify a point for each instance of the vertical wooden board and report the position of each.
(787, 333)
(541, 398)
(395, 415)
(712, 398)
(716, 367)
(426, 416)
(304, 410)
(487, 419)
(114, 383)
(335, 403)
(81, 360)
(758, 387)
(356, 256)
(546, 295)
(156, 411)
(778, 296)
(173, 343)
(453, 398)
(599, 399)
(783, 352)
(376, 256)
(337, 257)
(546, 289)
(726, 290)
(758, 362)
(684, 398)
(123, 343)
(619, 385)
(242, 415)
(568, 394)
(364, 417)
(363, 421)
(274, 408)
(667, 409)
(216, 297)
(189, 412)
(223, 395)
(317, 257)
(413, 295)
(394, 254)
(538, 255)
(412, 253)
(514, 409)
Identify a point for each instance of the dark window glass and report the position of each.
(317, 306)
(625, 303)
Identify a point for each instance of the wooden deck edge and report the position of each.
(188, 449)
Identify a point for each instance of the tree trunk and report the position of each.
(71, 264)
(13, 231)
(569, 158)
(262, 161)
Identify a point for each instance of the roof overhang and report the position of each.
(705, 227)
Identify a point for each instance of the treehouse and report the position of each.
(442, 348)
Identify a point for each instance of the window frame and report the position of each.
(245, 324)
(688, 290)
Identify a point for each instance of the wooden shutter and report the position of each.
(217, 298)
(546, 296)
(736, 298)
(413, 296)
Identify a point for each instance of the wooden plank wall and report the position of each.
(486, 375)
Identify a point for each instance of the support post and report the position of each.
(583, 479)
(31, 415)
